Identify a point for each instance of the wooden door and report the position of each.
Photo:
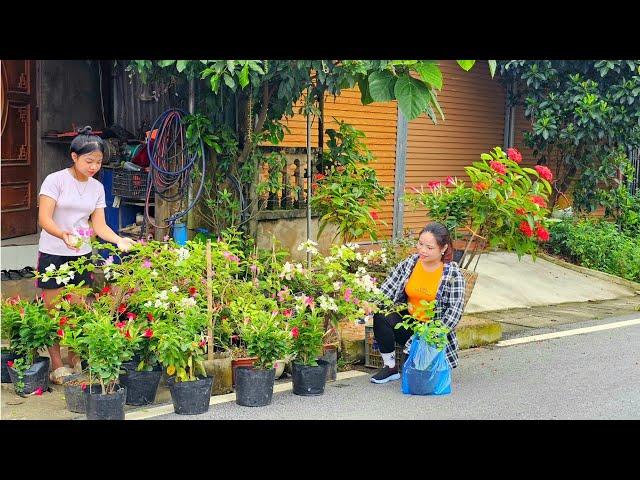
(18, 149)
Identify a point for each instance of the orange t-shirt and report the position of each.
(422, 285)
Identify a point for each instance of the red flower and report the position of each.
(150, 317)
(521, 211)
(60, 332)
(127, 334)
(543, 233)
(38, 391)
(121, 324)
(67, 297)
(105, 290)
(10, 363)
(203, 342)
(539, 201)
(192, 291)
(295, 332)
(83, 386)
(480, 186)
(514, 155)
(131, 316)
(500, 181)
(288, 313)
(122, 308)
(544, 172)
(451, 182)
(434, 184)
(374, 214)
(526, 228)
(498, 167)
(319, 176)
(148, 333)
(63, 320)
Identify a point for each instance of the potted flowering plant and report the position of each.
(32, 328)
(505, 206)
(264, 333)
(10, 315)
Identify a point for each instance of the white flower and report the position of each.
(331, 274)
(162, 295)
(336, 286)
(327, 303)
(174, 289)
(188, 302)
(71, 274)
(309, 246)
(352, 246)
(148, 304)
(50, 268)
(183, 253)
(161, 304)
(287, 270)
(154, 273)
(358, 256)
(299, 268)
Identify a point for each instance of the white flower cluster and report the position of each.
(327, 303)
(63, 274)
(288, 269)
(365, 281)
(187, 302)
(309, 246)
(337, 286)
(183, 254)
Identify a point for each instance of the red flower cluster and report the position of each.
(295, 332)
(106, 290)
(131, 316)
(192, 291)
(121, 324)
(542, 233)
(319, 176)
(10, 363)
(539, 201)
(525, 228)
(451, 182)
(432, 185)
(63, 320)
(498, 167)
(514, 155)
(520, 211)
(122, 308)
(480, 186)
(148, 333)
(544, 172)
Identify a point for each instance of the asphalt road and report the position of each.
(588, 376)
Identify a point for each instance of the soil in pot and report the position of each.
(190, 398)
(141, 386)
(309, 381)
(105, 407)
(254, 387)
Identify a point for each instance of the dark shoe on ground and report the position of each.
(14, 274)
(27, 272)
(386, 374)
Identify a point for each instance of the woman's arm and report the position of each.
(45, 219)
(104, 231)
(452, 313)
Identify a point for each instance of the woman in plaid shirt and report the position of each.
(430, 274)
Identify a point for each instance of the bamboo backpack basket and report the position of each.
(470, 281)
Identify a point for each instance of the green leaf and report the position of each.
(412, 95)
(492, 67)
(229, 81)
(466, 65)
(430, 73)
(181, 65)
(381, 86)
(166, 63)
(243, 76)
(215, 83)
(365, 96)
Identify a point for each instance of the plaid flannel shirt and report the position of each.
(449, 298)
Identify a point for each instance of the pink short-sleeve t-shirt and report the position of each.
(75, 202)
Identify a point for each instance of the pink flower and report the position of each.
(498, 167)
(253, 268)
(165, 238)
(432, 185)
(81, 232)
(142, 241)
(288, 313)
(308, 301)
(148, 333)
(60, 332)
(451, 181)
(281, 294)
(231, 257)
(83, 386)
(131, 316)
(295, 332)
(347, 294)
(514, 155)
(10, 363)
(544, 172)
(146, 263)
(38, 392)
(89, 232)
(203, 342)
(121, 324)
(68, 297)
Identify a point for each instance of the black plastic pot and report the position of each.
(309, 381)
(141, 386)
(254, 388)
(7, 356)
(331, 357)
(36, 376)
(105, 407)
(190, 398)
(75, 396)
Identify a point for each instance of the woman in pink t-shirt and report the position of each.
(68, 198)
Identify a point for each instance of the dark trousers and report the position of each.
(386, 335)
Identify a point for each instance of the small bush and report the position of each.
(599, 245)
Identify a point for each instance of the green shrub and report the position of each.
(597, 244)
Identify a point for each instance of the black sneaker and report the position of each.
(386, 374)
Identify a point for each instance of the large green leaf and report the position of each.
(243, 76)
(412, 95)
(492, 67)
(430, 73)
(466, 64)
(365, 96)
(181, 65)
(381, 86)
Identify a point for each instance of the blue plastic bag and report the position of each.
(426, 370)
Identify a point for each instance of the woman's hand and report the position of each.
(71, 240)
(125, 244)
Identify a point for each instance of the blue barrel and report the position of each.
(180, 233)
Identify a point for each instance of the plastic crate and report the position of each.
(130, 184)
(372, 357)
